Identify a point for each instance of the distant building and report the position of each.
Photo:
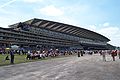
(39, 33)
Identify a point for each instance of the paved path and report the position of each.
(69, 68)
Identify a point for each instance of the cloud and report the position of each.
(5, 21)
(32, 1)
(106, 24)
(51, 11)
(67, 20)
(8, 3)
(92, 27)
(111, 32)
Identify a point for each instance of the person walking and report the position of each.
(113, 54)
(11, 57)
(81, 52)
(104, 55)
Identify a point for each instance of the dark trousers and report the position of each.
(12, 59)
(113, 58)
(81, 54)
(78, 54)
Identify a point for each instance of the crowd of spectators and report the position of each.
(42, 54)
(47, 53)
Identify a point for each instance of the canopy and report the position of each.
(14, 47)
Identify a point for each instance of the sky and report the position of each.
(101, 16)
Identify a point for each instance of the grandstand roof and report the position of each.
(64, 28)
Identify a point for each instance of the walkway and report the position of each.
(88, 67)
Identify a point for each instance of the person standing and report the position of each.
(78, 53)
(11, 57)
(104, 55)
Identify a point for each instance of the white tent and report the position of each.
(14, 47)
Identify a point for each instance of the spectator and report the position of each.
(12, 57)
(113, 54)
(104, 55)
(78, 53)
(119, 53)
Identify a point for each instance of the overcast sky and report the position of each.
(101, 16)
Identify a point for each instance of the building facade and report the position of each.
(39, 33)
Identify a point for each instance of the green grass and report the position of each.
(21, 59)
(18, 59)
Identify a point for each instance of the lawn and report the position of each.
(21, 59)
(18, 59)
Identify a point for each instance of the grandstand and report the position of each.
(40, 34)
